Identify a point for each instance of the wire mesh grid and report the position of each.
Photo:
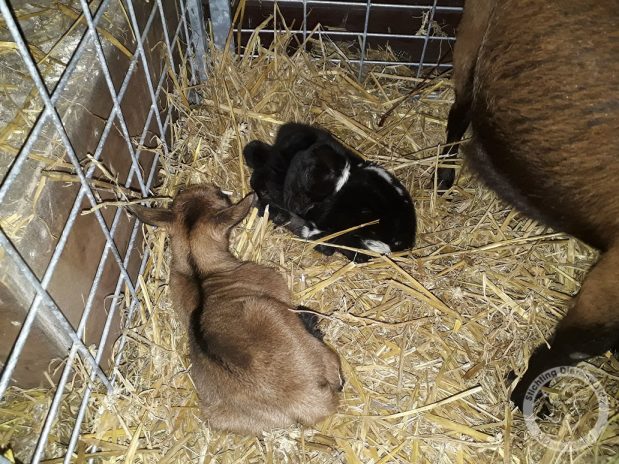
(422, 31)
(44, 309)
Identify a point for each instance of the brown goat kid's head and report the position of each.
(199, 219)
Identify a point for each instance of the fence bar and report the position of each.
(425, 43)
(365, 37)
(376, 6)
(149, 81)
(383, 62)
(110, 85)
(192, 65)
(304, 23)
(166, 38)
(75, 433)
(374, 35)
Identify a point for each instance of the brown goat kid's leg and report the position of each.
(590, 328)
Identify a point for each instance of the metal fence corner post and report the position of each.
(197, 59)
(221, 19)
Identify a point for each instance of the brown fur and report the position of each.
(255, 365)
(539, 83)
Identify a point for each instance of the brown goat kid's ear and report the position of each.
(234, 214)
(160, 217)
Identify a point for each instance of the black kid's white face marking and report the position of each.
(343, 178)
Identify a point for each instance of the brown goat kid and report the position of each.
(254, 363)
(538, 82)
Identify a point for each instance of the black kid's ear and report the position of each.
(160, 217)
(256, 153)
(232, 215)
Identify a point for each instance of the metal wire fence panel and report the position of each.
(419, 33)
(95, 83)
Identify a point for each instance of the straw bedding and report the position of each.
(426, 336)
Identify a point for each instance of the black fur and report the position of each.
(310, 321)
(298, 178)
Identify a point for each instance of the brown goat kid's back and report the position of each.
(538, 81)
(254, 363)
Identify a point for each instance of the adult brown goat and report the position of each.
(255, 364)
(538, 82)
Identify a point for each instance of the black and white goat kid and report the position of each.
(315, 186)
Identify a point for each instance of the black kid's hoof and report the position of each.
(310, 321)
(325, 250)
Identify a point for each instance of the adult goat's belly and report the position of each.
(545, 118)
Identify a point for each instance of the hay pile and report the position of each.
(426, 337)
